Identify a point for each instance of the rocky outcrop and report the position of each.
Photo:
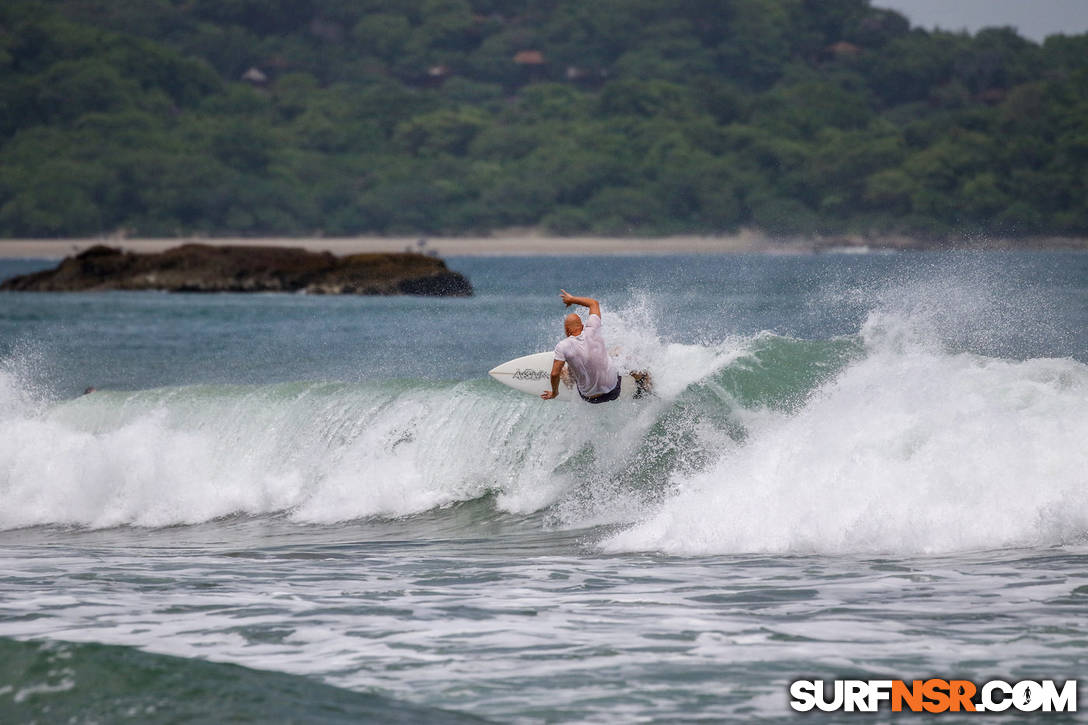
(207, 268)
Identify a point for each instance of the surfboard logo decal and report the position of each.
(523, 374)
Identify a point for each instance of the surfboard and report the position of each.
(532, 374)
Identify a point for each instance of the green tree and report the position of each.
(382, 34)
(444, 131)
(758, 44)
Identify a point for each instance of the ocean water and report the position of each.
(285, 508)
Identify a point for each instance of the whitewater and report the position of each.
(864, 464)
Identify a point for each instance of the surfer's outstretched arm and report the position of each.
(569, 299)
(557, 370)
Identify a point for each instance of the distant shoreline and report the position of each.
(532, 244)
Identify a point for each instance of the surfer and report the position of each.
(584, 351)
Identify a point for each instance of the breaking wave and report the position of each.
(888, 440)
(908, 449)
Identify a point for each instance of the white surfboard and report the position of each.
(532, 374)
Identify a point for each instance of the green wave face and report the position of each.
(87, 683)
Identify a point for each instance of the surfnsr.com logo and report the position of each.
(933, 695)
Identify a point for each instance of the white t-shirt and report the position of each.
(588, 360)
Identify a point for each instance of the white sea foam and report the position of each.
(911, 449)
(188, 455)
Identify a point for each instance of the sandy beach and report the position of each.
(516, 244)
(528, 244)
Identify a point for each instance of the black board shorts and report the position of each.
(605, 397)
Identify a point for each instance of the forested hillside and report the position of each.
(162, 117)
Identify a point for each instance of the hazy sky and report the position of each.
(1035, 19)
